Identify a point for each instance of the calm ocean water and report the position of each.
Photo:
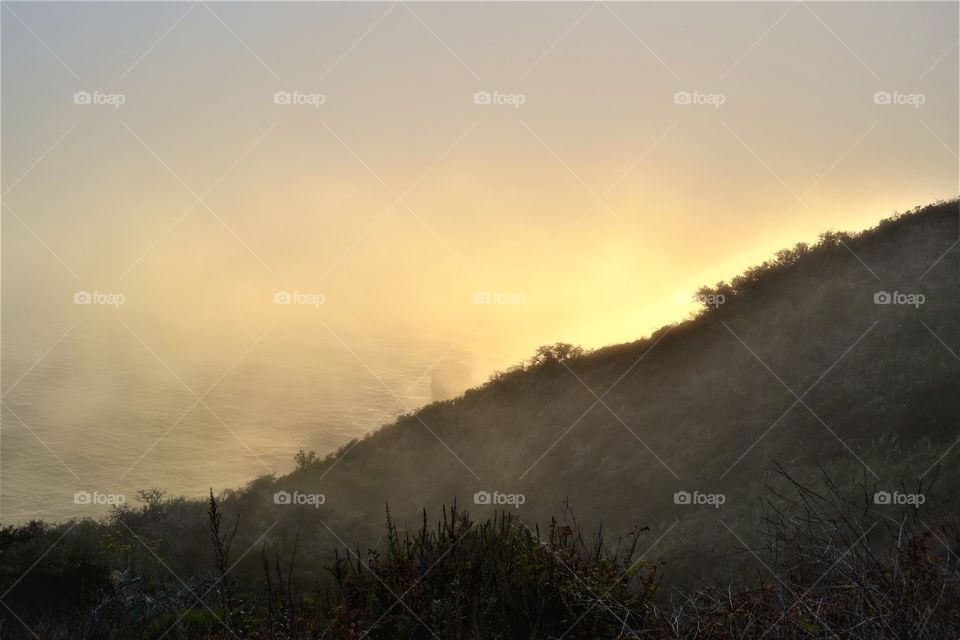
(100, 413)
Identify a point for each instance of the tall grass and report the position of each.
(832, 565)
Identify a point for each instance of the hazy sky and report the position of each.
(509, 201)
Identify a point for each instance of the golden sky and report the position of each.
(587, 189)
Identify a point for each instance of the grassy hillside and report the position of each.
(785, 409)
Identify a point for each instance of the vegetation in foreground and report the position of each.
(832, 565)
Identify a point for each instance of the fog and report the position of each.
(309, 273)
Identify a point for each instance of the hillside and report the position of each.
(783, 410)
(799, 365)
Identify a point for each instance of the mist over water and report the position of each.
(101, 412)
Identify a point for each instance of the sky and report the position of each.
(511, 201)
(432, 183)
